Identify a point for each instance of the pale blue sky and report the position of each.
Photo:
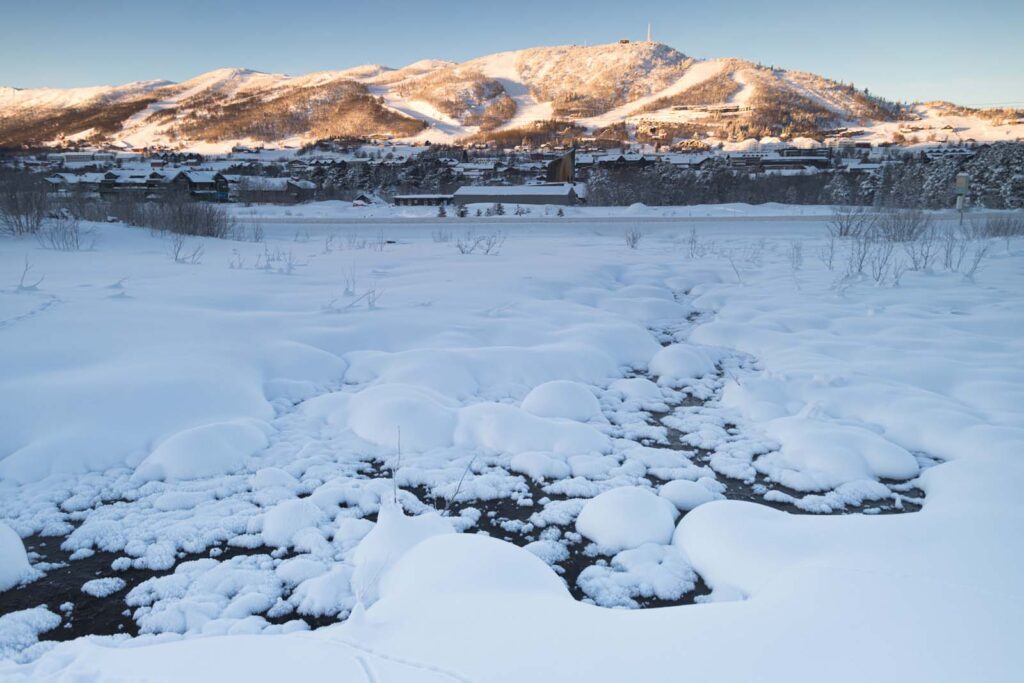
(968, 52)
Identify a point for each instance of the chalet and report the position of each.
(65, 183)
(205, 185)
(552, 193)
(422, 199)
(275, 190)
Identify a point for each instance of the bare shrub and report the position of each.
(1004, 227)
(442, 236)
(489, 244)
(24, 203)
(923, 250)
(696, 247)
(978, 252)
(23, 284)
(63, 233)
(857, 256)
(954, 247)
(827, 253)
(879, 259)
(633, 237)
(176, 212)
(902, 225)
(850, 221)
(796, 256)
(182, 252)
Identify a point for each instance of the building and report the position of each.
(552, 193)
(422, 199)
(206, 185)
(275, 190)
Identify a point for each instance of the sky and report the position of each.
(971, 53)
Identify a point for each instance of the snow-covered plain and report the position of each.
(261, 400)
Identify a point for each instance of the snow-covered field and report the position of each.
(316, 427)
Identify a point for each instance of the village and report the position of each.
(384, 172)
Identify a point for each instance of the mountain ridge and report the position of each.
(641, 91)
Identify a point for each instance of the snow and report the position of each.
(14, 566)
(686, 495)
(394, 535)
(627, 517)
(679, 364)
(462, 565)
(816, 455)
(647, 571)
(19, 631)
(394, 413)
(101, 588)
(562, 399)
(828, 384)
(285, 520)
(204, 451)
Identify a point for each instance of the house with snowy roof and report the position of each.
(205, 185)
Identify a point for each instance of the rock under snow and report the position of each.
(627, 517)
(563, 398)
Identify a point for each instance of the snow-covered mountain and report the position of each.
(639, 91)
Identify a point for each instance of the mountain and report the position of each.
(641, 91)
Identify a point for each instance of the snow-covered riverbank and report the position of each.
(263, 397)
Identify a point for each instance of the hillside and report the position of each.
(641, 91)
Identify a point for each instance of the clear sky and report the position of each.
(971, 52)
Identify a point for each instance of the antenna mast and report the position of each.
(648, 31)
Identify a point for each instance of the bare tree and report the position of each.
(24, 203)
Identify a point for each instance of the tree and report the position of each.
(24, 202)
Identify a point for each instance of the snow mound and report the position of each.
(14, 566)
(564, 399)
(394, 535)
(378, 413)
(637, 389)
(508, 429)
(677, 365)
(686, 495)
(818, 455)
(285, 520)
(627, 517)
(205, 451)
(460, 564)
(539, 466)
